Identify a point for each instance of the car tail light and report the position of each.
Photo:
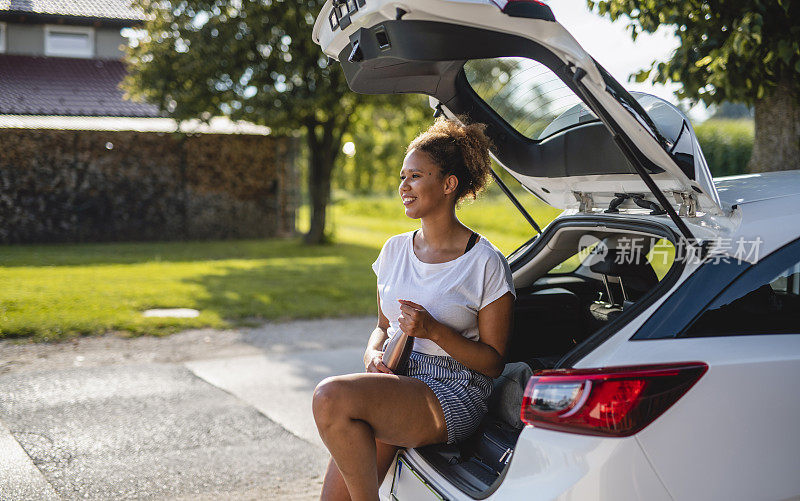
(612, 401)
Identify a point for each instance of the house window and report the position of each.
(69, 41)
(2, 37)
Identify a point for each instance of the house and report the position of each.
(64, 58)
(79, 163)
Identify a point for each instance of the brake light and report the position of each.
(612, 401)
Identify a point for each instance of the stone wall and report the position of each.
(88, 186)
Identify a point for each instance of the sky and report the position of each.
(611, 45)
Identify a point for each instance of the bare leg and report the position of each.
(334, 488)
(386, 454)
(354, 411)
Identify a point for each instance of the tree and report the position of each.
(249, 60)
(381, 134)
(745, 51)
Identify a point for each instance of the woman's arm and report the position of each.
(484, 356)
(373, 355)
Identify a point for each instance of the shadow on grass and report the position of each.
(330, 281)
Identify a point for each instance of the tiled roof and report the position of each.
(64, 86)
(103, 9)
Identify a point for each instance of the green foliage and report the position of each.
(730, 50)
(249, 60)
(381, 131)
(370, 219)
(726, 144)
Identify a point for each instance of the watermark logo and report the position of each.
(591, 250)
(727, 250)
(629, 250)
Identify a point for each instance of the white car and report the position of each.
(660, 313)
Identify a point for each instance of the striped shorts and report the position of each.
(462, 392)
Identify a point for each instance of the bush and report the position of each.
(727, 145)
(84, 186)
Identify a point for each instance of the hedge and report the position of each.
(81, 186)
(726, 144)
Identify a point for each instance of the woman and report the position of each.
(448, 288)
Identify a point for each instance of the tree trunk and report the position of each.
(777, 137)
(322, 155)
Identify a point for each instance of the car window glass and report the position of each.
(527, 95)
(763, 301)
(631, 105)
(663, 120)
(661, 256)
(573, 262)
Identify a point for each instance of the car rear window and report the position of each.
(527, 95)
(661, 256)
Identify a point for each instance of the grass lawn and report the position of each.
(57, 291)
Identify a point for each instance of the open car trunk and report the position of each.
(621, 164)
(565, 305)
(560, 124)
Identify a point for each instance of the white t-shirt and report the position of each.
(453, 292)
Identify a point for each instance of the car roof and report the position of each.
(769, 206)
(745, 188)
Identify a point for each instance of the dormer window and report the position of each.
(69, 41)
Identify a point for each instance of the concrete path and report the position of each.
(19, 477)
(198, 415)
(280, 386)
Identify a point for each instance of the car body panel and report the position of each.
(721, 440)
(549, 465)
(747, 188)
(768, 224)
(416, 461)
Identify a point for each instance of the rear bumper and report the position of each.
(549, 465)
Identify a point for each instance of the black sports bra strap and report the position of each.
(472, 239)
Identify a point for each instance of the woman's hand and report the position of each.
(373, 360)
(416, 321)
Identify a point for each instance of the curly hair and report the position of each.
(461, 149)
